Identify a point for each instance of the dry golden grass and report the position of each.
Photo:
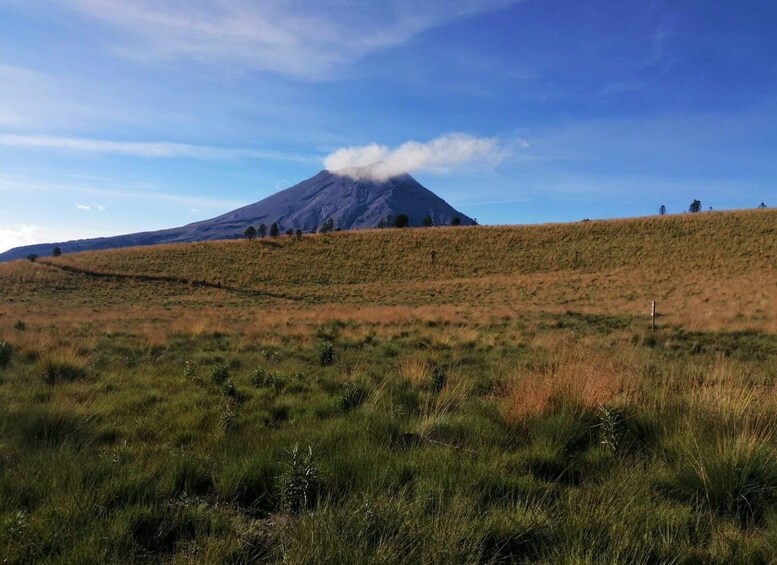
(579, 377)
(707, 272)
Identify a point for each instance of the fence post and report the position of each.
(653, 315)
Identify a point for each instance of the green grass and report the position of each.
(428, 417)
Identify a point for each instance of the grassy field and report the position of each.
(444, 395)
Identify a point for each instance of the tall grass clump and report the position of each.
(62, 368)
(735, 477)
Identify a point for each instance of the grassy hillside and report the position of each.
(428, 396)
(707, 271)
(712, 243)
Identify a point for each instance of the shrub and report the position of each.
(56, 252)
(402, 221)
(32, 257)
(351, 395)
(270, 355)
(274, 230)
(301, 482)
(262, 379)
(428, 221)
(19, 326)
(190, 371)
(227, 419)
(611, 429)
(228, 387)
(219, 374)
(327, 226)
(695, 206)
(259, 377)
(456, 221)
(438, 378)
(250, 233)
(5, 354)
(276, 382)
(326, 354)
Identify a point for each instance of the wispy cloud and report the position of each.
(441, 154)
(90, 207)
(305, 38)
(154, 149)
(10, 184)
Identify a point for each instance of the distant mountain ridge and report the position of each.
(350, 203)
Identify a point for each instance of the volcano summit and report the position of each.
(350, 203)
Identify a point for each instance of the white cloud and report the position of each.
(306, 38)
(90, 207)
(30, 234)
(155, 149)
(441, 154)
(15, 237)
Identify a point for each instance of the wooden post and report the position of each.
(653, 315)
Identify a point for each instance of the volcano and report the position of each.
(350, 204)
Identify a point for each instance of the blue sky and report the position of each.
(126, 115)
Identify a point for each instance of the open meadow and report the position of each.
(441, 395)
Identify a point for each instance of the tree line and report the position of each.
(696, 206)
(400, 221)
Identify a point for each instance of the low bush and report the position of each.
(220, 373)
(326, 355)
(5, 354)
(260, 378)
(351, 395)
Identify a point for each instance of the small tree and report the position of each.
(762, 205)
(274, 230)
(428, 221)
(31, 257)
(299, 232)
(262, 230)
(695, 206)
(662, 210)
(327, 226)
(290, 232)
(402, 221)
(456, 221)
(250, 233)
(56, 252)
